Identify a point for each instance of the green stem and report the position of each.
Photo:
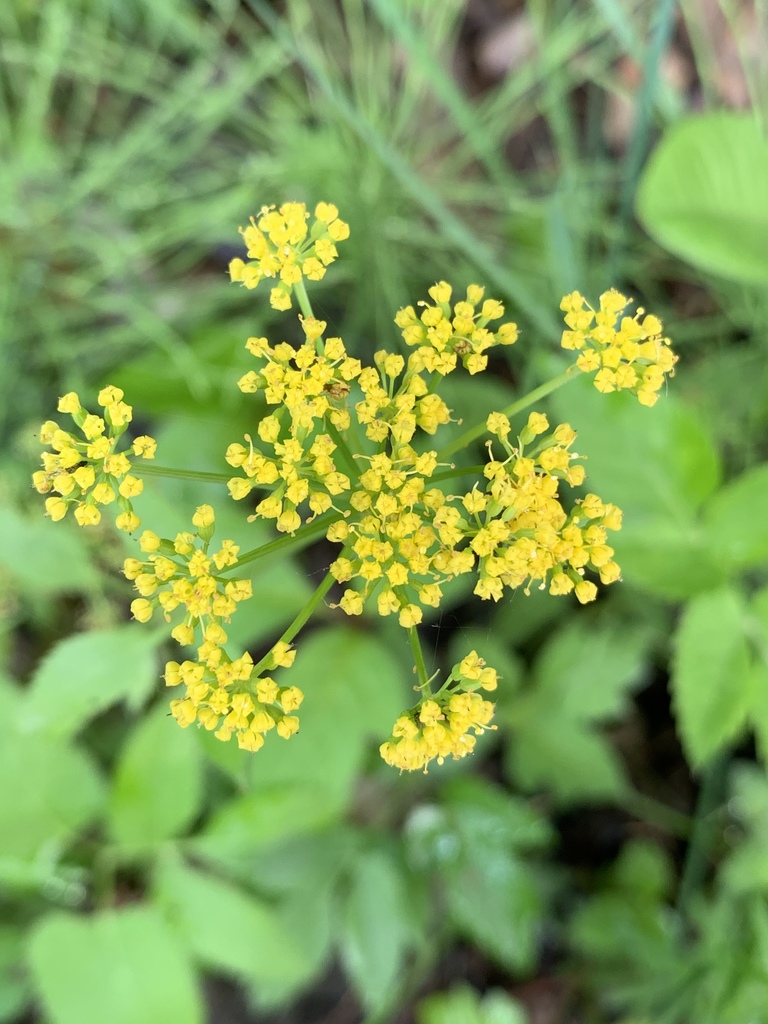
(343, 447)
(656, 813)
(295, 541)
(303, 299)
(301, 619)
(457, 471)
(418, 657)
(511, 410)
(704, 830)
(179, 474)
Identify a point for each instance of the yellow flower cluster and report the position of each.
(444, 334)
(349, 439)
(521, 531)
(88, 473)
(446, 723)
(297, 463)
(221, 692)
(632, 356)
(227, 700)
(180, 573)
(396, 413)
(281, 244)
(395, 545)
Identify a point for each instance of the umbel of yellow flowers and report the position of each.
(350, 443)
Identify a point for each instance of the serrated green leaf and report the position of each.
(87, 673)
(225, 928)
(495, 901)
(710, 675)
(736, 520)
(375, 932)
(122, 966)
(48, 792)
(482, 815)
(704, 194)
(45, 557)
(564, 756)
(584, 672)
(158, 783)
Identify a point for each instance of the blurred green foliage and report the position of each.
(137, 860)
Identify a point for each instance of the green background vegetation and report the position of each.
(609, 844)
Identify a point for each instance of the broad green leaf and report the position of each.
(268, 815)
(482, 815)
(668, 559)
(121, 966)
(375, 930)
(463, 1005)
(562, 755)
(704, 194)
(737, 520)
(495, 901)
(158, 782)
(48, 792)
(585, 670)
(656, 464)
(87, 673)
(710, 678)
(225, 928)
(45, 557)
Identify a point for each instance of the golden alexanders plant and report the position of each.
(345, 454)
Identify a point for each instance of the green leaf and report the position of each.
(736, 520)
(87, 673)
(483, 815)
(582, 676)
(585, 671)
(45, 557)
(494, 900)
(656, 464)
(710, 677)
(269, 815)
(668, 559)
(375, 928)
(704, 194)
(561, 755)
(158, 783)
(48, 792)
(225, 928)
(122, 966)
